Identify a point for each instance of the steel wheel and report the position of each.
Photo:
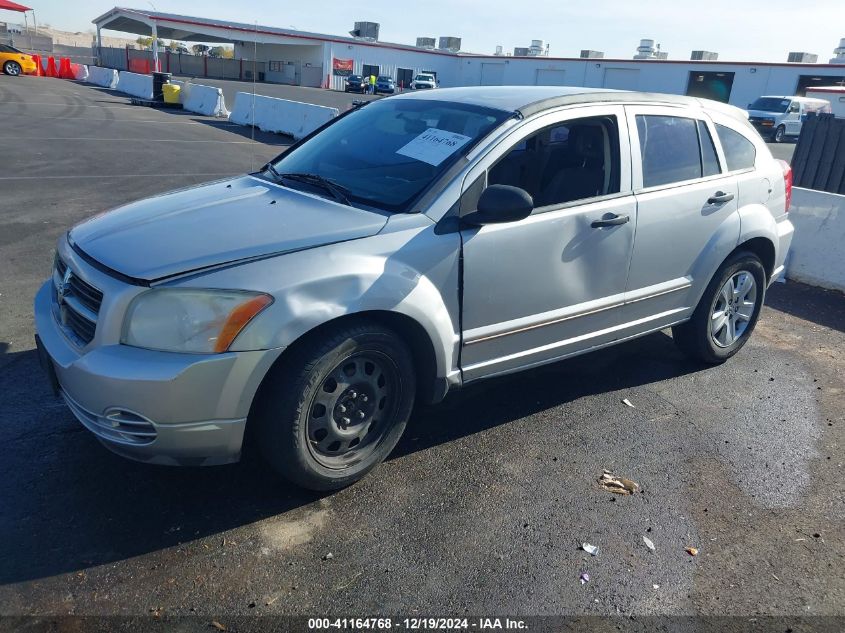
(350, 413)
(12, 68)
(733, 309)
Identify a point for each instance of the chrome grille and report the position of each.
(76, 303)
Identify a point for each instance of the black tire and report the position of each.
(780, 134)
(296, 438)
(696, 337)
(12, 68)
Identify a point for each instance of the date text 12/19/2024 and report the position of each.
(416, 624)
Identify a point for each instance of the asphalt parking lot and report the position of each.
(482, 507)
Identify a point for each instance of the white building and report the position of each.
(315, 59)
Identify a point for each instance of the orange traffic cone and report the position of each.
(39, 69)
(51, 67)
(64, 69)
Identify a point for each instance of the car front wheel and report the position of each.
(334, 408)
(12, 68)
(779, 135)
(727, 313)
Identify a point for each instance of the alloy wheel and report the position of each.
(733, 309)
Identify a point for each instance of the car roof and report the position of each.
(529, 100)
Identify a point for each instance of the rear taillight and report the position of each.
(787, 183)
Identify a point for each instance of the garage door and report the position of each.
(492, 74)
(548, 77)
(622, 78)
(312, 76)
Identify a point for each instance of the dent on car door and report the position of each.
(553, 283)
(686, 214)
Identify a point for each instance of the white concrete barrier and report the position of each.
(136, 85)
(81, 73)
(280, 115)
(202, 99)
(817, 254)
(106, 77)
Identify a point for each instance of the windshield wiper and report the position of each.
(271, 168)
(338, 192)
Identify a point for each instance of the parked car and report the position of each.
(15, 62)
(777, 118)
(478, 232)
(385, 85)
(356, 83)
(423, 82)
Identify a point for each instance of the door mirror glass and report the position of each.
(501, 203)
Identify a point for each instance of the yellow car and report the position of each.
(15, 62)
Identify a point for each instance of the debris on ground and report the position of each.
(584, 578)
(648, 543)
(328, 556)
(590, 549)
(218, 626)
(627, 402)
(656, 586)
(617, 485)
(692, 551)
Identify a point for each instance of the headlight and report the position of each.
(198, 321)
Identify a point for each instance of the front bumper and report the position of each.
(156, 407)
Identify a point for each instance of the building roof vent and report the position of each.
(589, 54)
(802, 58)
(450, 44)
(366, 31)
(839, 52)
(705, 56)
(426, 42)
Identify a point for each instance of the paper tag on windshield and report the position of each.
(433, 146)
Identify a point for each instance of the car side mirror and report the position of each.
(501, 203)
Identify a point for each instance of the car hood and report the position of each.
(764, 113)
(214, 224)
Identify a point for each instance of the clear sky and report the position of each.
(752, 30)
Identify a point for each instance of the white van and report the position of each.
(776, 118)
(834, 94)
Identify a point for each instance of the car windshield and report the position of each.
(770, 104)
(354, 78)
(383, 78)
(424, 78)
(5, 48)
(385, 154)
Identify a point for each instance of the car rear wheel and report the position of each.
(12, 68)
(728, 311)
(780, 134)
(335, 408)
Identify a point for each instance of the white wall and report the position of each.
(817, 254)
(389, 60)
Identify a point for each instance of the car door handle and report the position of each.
(610, 219)
(719, 197)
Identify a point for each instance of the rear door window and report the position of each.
(669, 149)
(740, 153)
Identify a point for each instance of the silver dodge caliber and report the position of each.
(477, 232)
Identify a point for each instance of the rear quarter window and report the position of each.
(740, 153)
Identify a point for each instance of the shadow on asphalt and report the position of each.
(817, 305)
(69, 504)
(246, 131)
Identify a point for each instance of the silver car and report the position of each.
(478, 232)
